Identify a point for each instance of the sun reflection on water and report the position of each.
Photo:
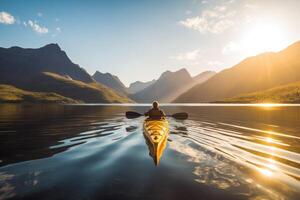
(265, 172)
(270, 140)
(260, 149)
(271, 166)
(267, 105)
(272, 148)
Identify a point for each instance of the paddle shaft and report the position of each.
(132, 115)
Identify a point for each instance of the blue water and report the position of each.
(94, 152)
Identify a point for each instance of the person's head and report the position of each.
(155, 104)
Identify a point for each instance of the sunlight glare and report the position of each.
(272, 166)
(263, 37)
(271, 148)
(270, 140)
(266, 172)
(267, 105)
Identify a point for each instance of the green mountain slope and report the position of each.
(253, 74)
(11, 94)
(86, 92)
(289, 93)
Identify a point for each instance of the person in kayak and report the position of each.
(155, 112)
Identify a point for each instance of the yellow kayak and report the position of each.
(156, 133)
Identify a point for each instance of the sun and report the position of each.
(263, 37)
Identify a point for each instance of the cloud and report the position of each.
(39, 14)
(215, 20)
(36, 27)
(230, 47)
(6, 18)
(188, 56)
(56, 32)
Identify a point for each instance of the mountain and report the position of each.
(78, 90)
(289, 93)
(111, 81)
(169, 86)
(164, 89)
(48, 69)
(11, 94)
(139, 86)
(19, 63)
(253, 74)
(204, 76)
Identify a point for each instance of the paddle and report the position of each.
(132, 115)
(181, 115)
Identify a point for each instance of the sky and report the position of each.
(139, 39)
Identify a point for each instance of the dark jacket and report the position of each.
(155, 113)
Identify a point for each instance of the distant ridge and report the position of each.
(204, 76)
(111, 81)
(139, 86)
(169, 85)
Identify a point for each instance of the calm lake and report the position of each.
(94, 152)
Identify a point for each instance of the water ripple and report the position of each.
(250, 147)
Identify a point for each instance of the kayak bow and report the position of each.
(156, 133)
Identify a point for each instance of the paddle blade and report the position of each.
(132, 115)
(181, 115)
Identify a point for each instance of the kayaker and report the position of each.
(155, 112)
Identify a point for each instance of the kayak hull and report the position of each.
(156, 133)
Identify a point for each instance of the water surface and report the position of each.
(94, 152)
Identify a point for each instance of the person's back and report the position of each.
(155, 112)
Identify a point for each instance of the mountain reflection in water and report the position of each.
(93, 152)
